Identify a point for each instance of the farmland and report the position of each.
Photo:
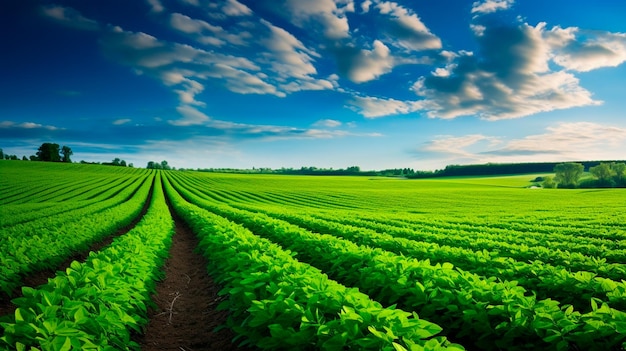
(306, 262)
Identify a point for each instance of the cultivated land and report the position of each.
(122, 258)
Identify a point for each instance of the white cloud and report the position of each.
(156, 6)
(289, 57)
(568, 140)
(585, 50)
(187, 95)
(185, 67)
(575, 141)
(490, 6)
(206, 33)
(456, 146)
(226, 129)
(191, 117)
(186, 24)
(69, 17)
(405, 28)
(511, 79)
(121, 121)
(27, 125)
(322, 15)
(290, 61)
(240, 81)
(327, 123)
(373, 107)
(365, 6)
(235, 8)
(191, 2)
(364, 65)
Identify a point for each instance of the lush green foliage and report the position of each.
(63, 219)
(537, 242)
(280, 303)
(96, 305)
(491, 262)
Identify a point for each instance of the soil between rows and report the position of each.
(187, 302)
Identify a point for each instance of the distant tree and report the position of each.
(548, 182)
(123, 163)
(164, 165)
(13, 157)
(24, 158)
(1, 154)
(33, 158)
(49, 152)
(66, 151)
(116, 161)
(150, 165)
(603, 172)
(619, 169)
(567, 174)
(131, 165)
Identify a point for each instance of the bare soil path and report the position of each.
(187, 303)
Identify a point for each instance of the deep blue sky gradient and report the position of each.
(288, 83)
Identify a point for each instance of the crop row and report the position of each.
(608, 244)
(19, 195)
(494, 245)
(610, 247)
(544, 280)
(276, 302)
(98, 304)
(493, 314)
(520, 252)
(35, 245)
(15, 214)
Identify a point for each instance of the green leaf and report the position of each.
(398, 347)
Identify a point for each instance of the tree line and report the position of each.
(47, 152)
(156, 165)
(53, 152)
(604, 175)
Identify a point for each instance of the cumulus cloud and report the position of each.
(235, 8)
(206, 33)
(183, 66)
(365, 6)
(155, 6)
(321, 15)
(363, 65)
(69, 17)
(490, 6)
(585, 50)
(510, 79)
(405, 28)
(287, 55)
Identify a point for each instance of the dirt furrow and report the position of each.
(187, 302)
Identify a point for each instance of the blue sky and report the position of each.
(327, 83)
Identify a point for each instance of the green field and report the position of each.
(316, 262)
